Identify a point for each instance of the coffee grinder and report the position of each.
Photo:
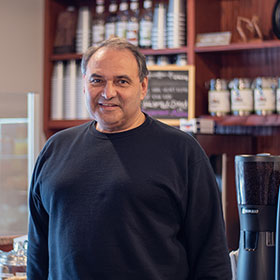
(257, 185)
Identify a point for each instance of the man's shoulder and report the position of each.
(70, 132)
(66, 136)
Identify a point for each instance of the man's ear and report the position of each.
(144, 88)
(84, 84)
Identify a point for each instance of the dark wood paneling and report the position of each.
(208, 16)
(233, 9)
(269, 144)
(208, 66)
(52, 10)
(218, 15)
(251, 63)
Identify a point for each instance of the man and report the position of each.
(124, 197)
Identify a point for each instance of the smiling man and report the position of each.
(114, 90)
(124, 197)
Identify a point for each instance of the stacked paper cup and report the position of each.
(176, 24)
(69, 90)
(83, 32)
(81, 110)
(159, 27)
(57, 92)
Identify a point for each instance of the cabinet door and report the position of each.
(239, 59)
(18, 150)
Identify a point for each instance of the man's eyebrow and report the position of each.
(94, 75)
(124, 77)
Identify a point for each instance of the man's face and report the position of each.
(113, 90)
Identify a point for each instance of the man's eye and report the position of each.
(95, 81)
(123, 82)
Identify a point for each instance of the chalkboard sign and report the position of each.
(170, 93)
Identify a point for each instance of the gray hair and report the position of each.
(118, 44)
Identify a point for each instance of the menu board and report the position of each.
(170, 93)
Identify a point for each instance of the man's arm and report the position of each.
(204, 226)
(37, 254)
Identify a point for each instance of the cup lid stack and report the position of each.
(159, 27)
(57, 91)
(83, 32)
(69, 87)
(176, 24)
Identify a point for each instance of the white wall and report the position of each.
(21, 47)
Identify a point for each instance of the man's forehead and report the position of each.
(114, 51)
(116, 62)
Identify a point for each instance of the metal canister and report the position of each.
(218, 98)
(150, 60)
(162, 60)
(264, 95)
(278, 97)
(242, 97)
(181, 59)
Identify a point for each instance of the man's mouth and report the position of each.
(108, 105)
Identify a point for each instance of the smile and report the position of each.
(107, 105)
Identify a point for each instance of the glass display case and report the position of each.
(19, 144)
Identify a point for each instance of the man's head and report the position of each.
(118, 44)
(115, 83)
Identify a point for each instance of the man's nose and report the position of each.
(109, 91)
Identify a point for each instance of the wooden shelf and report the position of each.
(66, 56)
(239, 46)
(251, 120)
(62, 124)
(164, 51)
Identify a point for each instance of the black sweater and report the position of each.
(136, 205)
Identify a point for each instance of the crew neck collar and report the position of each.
(106, 135)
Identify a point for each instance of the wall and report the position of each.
(21, 48)
(21, 71)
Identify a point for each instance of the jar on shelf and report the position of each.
(162, 60)
(241, 96)
(218, 97)
(150, 60)
(13, 263)
(264, 95)
(181, 59)
(278, 97)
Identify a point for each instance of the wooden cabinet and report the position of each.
(238, 59)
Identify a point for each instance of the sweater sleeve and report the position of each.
(204, 229)
(37, 254)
